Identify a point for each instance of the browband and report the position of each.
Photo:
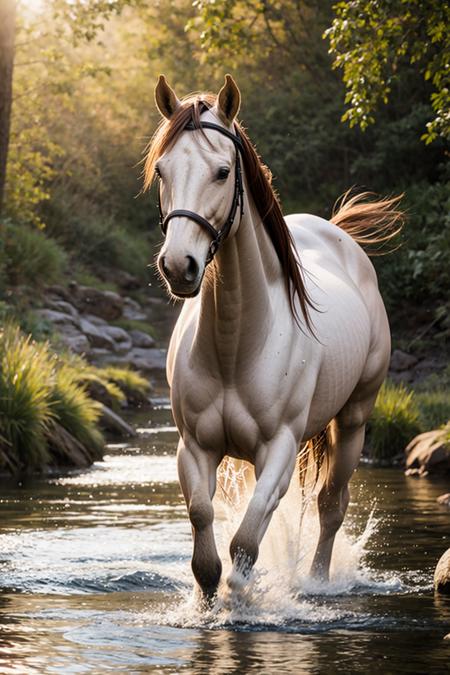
(217, 236)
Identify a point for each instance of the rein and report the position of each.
(217, 236)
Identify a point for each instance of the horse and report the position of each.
(283, 336)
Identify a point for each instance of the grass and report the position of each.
(394, 422)
(25, 405)
(400, 414)
(38, 394)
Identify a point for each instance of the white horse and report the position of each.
(284, 339)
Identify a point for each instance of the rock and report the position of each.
(78, 344)
(428, 453)
(58, 291)
(57, 318)
(122, 341)
(99, 356)
(442, 574)
(97, 335)
(402, 361)
(145, 360)
(96, 320)
(444, 500)
(127, 281)
(67, 450)
(99, 392)
(113, 422)
(141, 339)
(405, 376)
(105, 304)
(132, 310)
(62, 306)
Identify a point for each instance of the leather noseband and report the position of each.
(217, 236)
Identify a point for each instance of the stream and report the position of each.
(95, 576)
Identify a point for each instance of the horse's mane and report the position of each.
(259, 180)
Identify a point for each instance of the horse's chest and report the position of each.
(234, 420)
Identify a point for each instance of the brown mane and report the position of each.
(259, 180)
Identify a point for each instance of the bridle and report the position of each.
(217, 236)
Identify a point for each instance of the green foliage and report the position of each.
(74, 409)
(372, 41)
(421, 262)
(127, 380)
(39, 391)
(433, 399)
(93, 237)
(394, 422)
(26, 379)
(119, 384)
(29, 257)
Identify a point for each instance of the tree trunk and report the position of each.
(7, 30)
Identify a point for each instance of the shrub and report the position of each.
(39, 394)
(30, 257)
(25, 410)
(394, 422)
(433, 399)
(95, 238)
(434, 408)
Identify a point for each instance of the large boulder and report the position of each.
(444, 500)
(428, 453)
(442, 574)
(402, 361)
(105, 304)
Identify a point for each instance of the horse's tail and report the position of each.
(370, 222)
(313, 453)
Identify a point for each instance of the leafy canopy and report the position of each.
(372, 42)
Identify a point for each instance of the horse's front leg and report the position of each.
(197, 473)
(274, 465)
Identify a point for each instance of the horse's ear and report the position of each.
(228, 100)
(165, 98)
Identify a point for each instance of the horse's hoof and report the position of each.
(206, 599)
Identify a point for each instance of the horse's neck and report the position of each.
(236, 312)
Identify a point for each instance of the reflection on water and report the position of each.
(95, 577)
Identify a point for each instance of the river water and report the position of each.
(95, 576)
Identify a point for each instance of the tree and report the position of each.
(372, 41)
(7, 30)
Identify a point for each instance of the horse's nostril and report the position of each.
(164, 267)
(191, 269)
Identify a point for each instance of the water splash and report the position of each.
(278, 591)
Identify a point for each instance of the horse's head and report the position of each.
(200, 190)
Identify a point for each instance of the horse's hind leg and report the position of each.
(197, 473)
(345, 440)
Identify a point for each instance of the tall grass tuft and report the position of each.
(75, 410)
(26, 379)
(42, 405)
(394, 422)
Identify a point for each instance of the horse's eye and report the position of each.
(157, 171)
(223, 173)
